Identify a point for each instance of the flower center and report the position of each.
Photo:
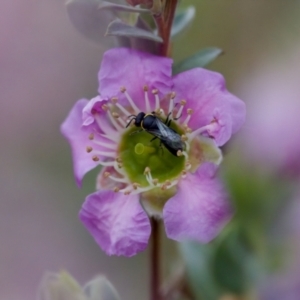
(138, 152)
(148, 152)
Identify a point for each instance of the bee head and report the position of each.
(137, 119)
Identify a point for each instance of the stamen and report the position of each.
(112, 138)
(188, 165)
(118, 159)
(89, 149)
(107, 129)
(187, 146)
(95, 158)
(171, 104)
(114, 100)
(91, 136)
(188, 117)
(148, 107)
(114, 122)
(135, 185)
(106, 145)
(180, 153)
(184, 173)
(157, 102)
(147, 170)
(104, 153)
(184, 138)
(107, 163)
(104, 107)
(122, 122)
(199, 131)
(182, 104)
(125, 191)
(155, 181)
(118, 117)
(131, 102)
(122, 180)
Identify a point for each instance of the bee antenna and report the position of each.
(134, 117)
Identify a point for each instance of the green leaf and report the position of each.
(182, 20)
(200, 59)
(88, 19)
(198, 259)
(142, 44)
(119, 28)
(119, 7)
(234, 266)
(100, 289)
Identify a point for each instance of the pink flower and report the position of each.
(139, 177)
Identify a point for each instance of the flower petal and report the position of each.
(206, 94)
(117, 222)
(134, 69)
(78, 137)
(199, 210)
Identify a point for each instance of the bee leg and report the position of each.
(138, 131)
(161, 148)
(153, 139)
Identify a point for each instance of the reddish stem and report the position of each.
(164, 22)
(155, 261)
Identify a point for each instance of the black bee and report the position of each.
(153, 125)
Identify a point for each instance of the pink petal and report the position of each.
(206, 94)
(77, 136)
(117, 222)
(134, 69)
(199, 210)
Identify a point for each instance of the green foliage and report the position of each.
(119, 28)
(182, 20)
(200, 59)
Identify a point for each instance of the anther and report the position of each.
(89, 149)
(91, 136)
(188, 165)
(115, 115)
(136, 185)
(95, 158)
(179, 153)
(182, 102)
(184, 173)
(114, 100)
(147, 170)
(167, 183)
(123, 89)
(155, 92)
(118, 159)
(155, 181)
(188, 117)
(104, 107)
(120, 166)
(127, 192)
(116, 189)
(172, 95)
(184, 138)
(147, 102)
(106, 174)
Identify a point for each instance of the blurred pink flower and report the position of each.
(182, 189)
(271, 136)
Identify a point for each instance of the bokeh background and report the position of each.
(46, 65)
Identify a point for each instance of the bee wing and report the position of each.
(165, 133)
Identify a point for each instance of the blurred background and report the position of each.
(46, 65)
